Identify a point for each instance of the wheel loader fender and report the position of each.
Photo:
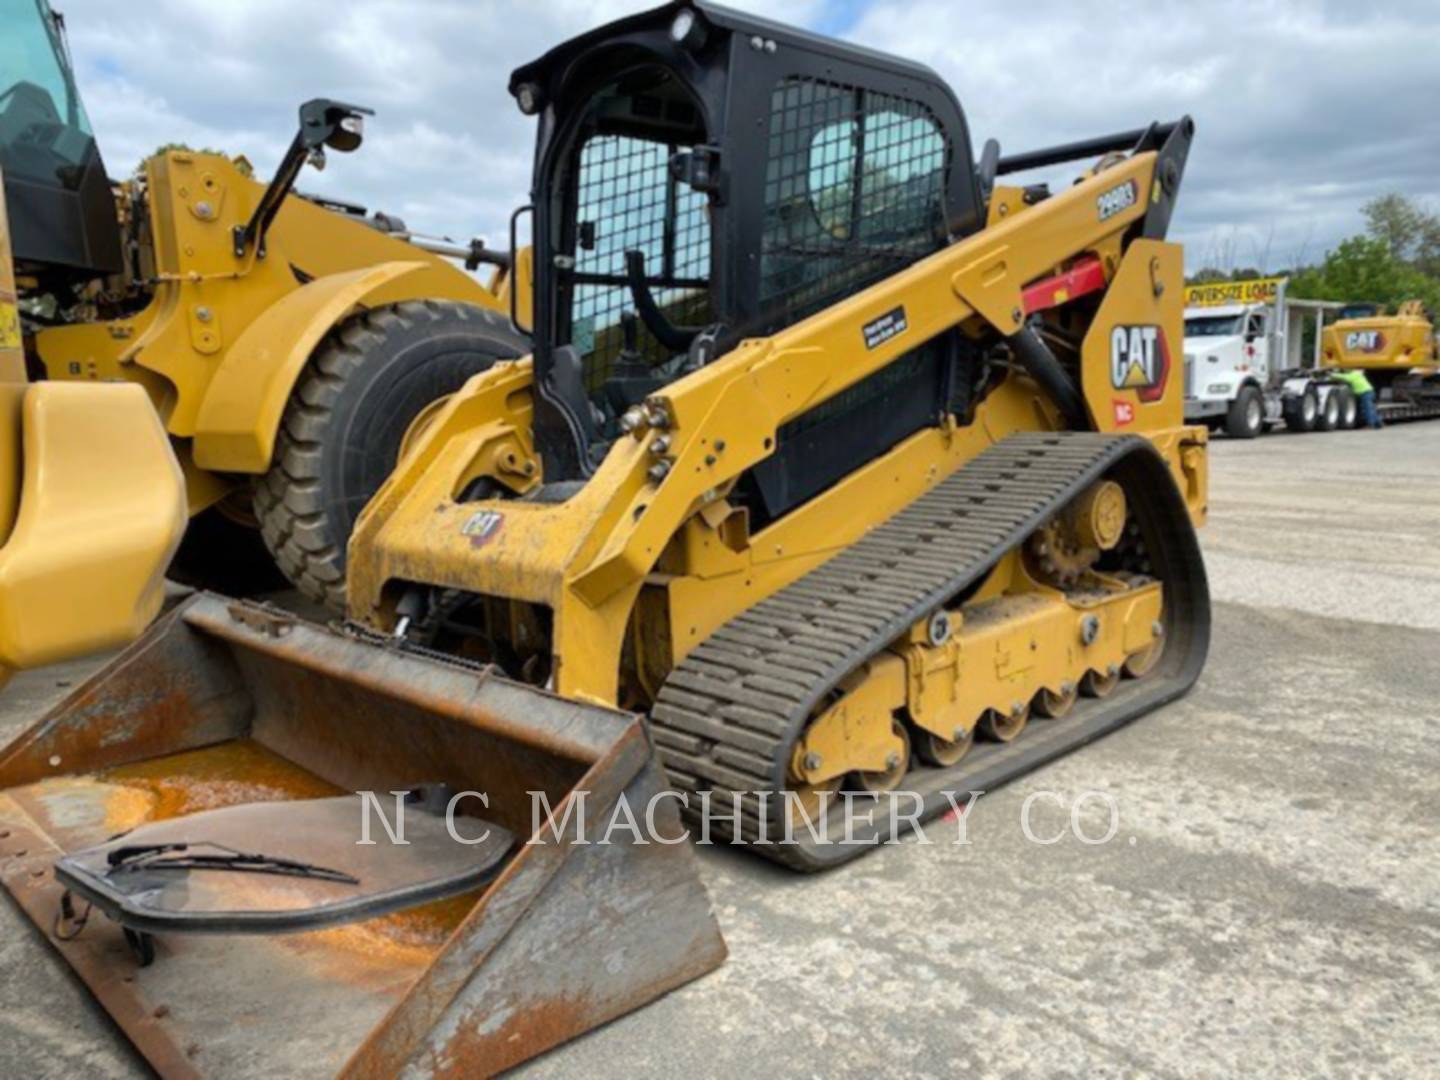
(100, 508)
(240, 416)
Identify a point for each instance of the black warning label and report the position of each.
(891, 324)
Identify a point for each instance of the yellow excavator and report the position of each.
(1397, 352)
(286, 342)
(845, 477)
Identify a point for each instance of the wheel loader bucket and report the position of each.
(232, 737)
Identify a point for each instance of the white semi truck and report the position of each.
(1249, 363)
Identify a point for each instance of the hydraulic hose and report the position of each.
(1040, 364)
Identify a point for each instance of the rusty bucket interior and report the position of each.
(223, 704)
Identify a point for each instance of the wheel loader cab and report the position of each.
(703, 177)
(61, 207)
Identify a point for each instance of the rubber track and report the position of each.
(728, 716)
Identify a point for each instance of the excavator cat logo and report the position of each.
(1370, 341)
(1139, 361)
(482, 526)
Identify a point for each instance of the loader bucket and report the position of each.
(226, 705)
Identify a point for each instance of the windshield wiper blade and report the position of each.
(131, 852)
(182, 857)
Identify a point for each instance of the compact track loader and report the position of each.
(286, 342)
(833, 453)
(840, 471)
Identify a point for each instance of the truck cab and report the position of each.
(1226, 349)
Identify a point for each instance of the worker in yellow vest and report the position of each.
(1364, 394)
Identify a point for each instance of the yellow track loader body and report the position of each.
(92, 505)
(838, 455)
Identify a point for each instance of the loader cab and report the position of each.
(62, 208)
(702, 177)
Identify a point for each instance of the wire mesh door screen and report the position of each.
(854, 190)
(628, 201)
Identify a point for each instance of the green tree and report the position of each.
(1365, 268)
(1411, 231)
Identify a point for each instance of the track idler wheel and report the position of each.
(1099, 684)
(878, 783)
(1052, 705)
(943, 753)
(1139, 664)
(1004, 727)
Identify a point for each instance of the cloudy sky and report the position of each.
(1305, 108)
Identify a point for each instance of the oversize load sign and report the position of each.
(1218, 293)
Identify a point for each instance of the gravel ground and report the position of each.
(1270, 902)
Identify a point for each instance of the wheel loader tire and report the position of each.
(348, 414)
(226, 556)
(1246, 418)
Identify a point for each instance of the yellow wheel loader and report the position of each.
(843, 479)
(287, 343)
(1397, 352)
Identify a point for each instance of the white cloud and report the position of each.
(1304, 108)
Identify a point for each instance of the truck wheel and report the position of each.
(1349, 409)
(1246, 418)
(341, 432)
(1300, 413)
(1328, 418)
